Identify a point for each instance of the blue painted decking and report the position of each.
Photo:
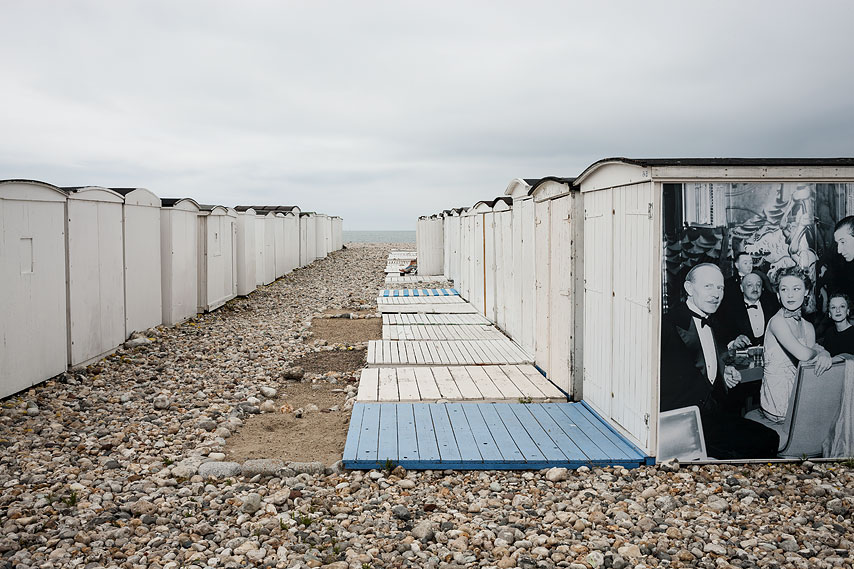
(420, 292)
(484, 436)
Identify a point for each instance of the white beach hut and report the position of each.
(217, 256)
(96, 290)
(321, 221)
(247, 251)
(337, 229)
(142, 263)
(280, 244)
(429, 239)
(180, 257)
(522, 307)
(292, 239)
(647, 221)
(33, 326)
(307, 237)
(555, 255)
(452, 241)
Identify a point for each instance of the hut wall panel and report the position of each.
(597, 264)
(304, 242)
(217, 274)
(280, 245)
(503, 266)
(270, 223)
(528, 282)
(489, 266)
(477, 265)
(561, 309)
(542, 254)
(636, 251)
(246, 253)
(259, 251)
(179, 253)
(465, 258)
(96, 294)
(514, 302)
(142, 266)
(292, 242)
(319, 237)
(33, 326)
(455, 247)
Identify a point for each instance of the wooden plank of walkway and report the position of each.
(406, 292)
(476, 436)
(405, 300)
(454, 383)
(453, 352)
(432, 308)
(413, 279)
(435, 319)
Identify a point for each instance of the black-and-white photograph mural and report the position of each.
(757, 336)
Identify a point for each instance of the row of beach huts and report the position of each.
(572, 269)
(83, 268)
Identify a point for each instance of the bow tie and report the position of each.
(704, 320)
(756, 306)
(795, 315)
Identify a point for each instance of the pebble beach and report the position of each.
(123, 465)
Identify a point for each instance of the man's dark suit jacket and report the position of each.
(683, 366)
(734, 321)
(684, 383)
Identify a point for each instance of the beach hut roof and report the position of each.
(138, 196)
(839, 162)
(262, 209)
(94, 193)
(48, 192)
(172, 202)
(537, 183)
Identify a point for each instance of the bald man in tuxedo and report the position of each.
(692, 372)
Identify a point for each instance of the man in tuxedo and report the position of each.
(743, 319)
(692, 372)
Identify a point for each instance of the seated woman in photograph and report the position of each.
(789, 340)
(839, 338)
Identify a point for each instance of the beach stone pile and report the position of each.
(121, 465)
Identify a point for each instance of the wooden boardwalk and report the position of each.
(432, 308)
(434, 319)
(445, 390)
(494, 383)
(413, 279)
(405, 292)
(483, 436)
(441, 332)
(445, 352)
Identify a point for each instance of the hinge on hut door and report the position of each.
(649, 305)
(649, 211)
(646, 419)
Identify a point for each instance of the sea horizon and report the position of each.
(374, 236)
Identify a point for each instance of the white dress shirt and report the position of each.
(707, 341)
(757, 317)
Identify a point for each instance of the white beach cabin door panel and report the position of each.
(634, 305)
(560, 294)
(597, 300)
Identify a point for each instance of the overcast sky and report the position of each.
(383, 111)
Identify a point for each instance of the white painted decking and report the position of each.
(441, 332)
(420, 300)
(413, 279)
(408, 255)
(458, 383)
(443, 352)
(436, 319)
(433, 308)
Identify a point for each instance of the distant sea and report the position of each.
(378, 236)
